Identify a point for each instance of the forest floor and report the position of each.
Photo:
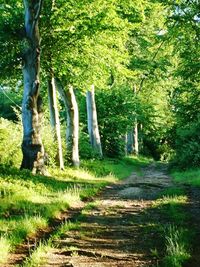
(122, 226)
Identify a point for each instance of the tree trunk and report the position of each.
(72, 132)
(93, 128)
(129, 143)
(32, 147)
(135, 131)
(54, 118)
(136, 143)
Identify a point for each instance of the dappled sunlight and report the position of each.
(171, 200)
(29, 202)
(5, 249)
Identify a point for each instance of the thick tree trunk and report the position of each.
(72, 132)
(93, 128)
(32, 147)
(54, 118)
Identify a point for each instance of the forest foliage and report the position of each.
(142, 57)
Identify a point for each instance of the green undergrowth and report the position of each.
(29, 203)
(117, 167)
(179, 236)
(190, 177)
(39, 256)
(177, 241)
(174, 226)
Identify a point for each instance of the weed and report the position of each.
(176, 246)
(64, 228)
(38, 256)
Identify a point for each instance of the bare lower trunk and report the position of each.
(54, 117)
(93, 128)
(125, 147)
(135, 131)
(136, 143)
(129, 143)
(72, 133)
(32, 147)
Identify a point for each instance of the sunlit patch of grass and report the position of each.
(191, 177)
(117, 168)
(38, 257)
(64, 228)
(87, 176)
(26, 227)
(22, 227)
(170, 200)
(176, 246)
(5, 248)
(172, 192)
(172, 207)
(71, 195)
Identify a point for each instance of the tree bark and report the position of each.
(135, 131)
(136, 143)
(129, 143)
(54, 118)
(32, 147)
(72, 132)
(93, 128)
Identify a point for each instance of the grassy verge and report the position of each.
(190, 177)
(174, 226)
(179, 237)
(28, 203)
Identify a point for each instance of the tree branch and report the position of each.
(39, 7)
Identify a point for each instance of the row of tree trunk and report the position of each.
(32, 146)
(72, 118)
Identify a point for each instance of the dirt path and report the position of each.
(119, 229)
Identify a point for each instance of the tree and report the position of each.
(186, 95)
(88, 38)
(93, 128)
(72, 131)
(116, 116)
(32, 147)
(54, 118)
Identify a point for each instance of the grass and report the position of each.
(5, 249)
(190, 177)
(38, 257)
(179, 240)
(170, 204)
(176, 236)
(28, 203)
(176, 246)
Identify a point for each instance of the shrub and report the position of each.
(188, 146)
(10, 142)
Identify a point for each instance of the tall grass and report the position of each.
(176, 246)
(177, 237)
